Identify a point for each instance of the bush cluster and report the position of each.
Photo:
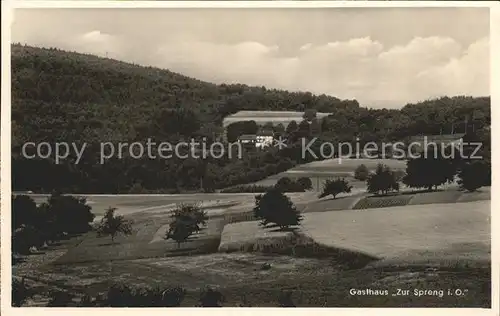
(34, 226)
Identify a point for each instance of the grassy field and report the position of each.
(397, 245)
(423, 230)
(320, 171)
(241, 279)
(130, 203)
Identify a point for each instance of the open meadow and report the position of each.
(320, 171)
(337, 248)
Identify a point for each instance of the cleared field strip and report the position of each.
(320, 171)
(431, 231)
(348, 164)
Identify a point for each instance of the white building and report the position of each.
(264, 140)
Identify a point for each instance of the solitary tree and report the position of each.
(335, 187)
(190, 214)
(112, 225)
(382, 181)
(429, 172)
(186, 220)
(361, 173)
(179, 231)
(275, 207)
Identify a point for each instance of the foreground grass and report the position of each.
(241, 279)
(90, 265)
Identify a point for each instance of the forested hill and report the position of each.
(63, 95)
(71, 97)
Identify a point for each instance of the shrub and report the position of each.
(471, 176)
(124, 296)
(20, 292)
(361, 173)
(119, 296)
(334, 187)
(211, 298)
(136, 188)
(67, 214)
(305, 183)
(60, 299)
(173, 296)
(284, 183)
(285, 299)
(86, 301)
(23, 211)
(24, 238)
(113, 225)
(275, 207)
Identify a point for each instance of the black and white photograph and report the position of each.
(335, 156)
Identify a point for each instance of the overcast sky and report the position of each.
(383, 57)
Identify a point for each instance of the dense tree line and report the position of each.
(61, 96)
(426, 173)
(61, 216)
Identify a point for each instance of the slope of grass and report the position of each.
(447, 196)
(91, 249)
(241, 279)
(425, 231)
(320, 171)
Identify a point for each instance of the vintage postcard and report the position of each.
(272, 154)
